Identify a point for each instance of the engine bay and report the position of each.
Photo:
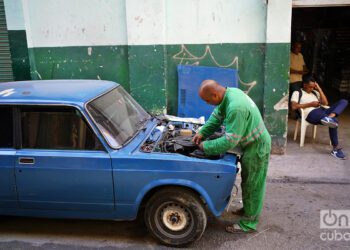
(176, 137)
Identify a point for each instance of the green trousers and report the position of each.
(255, 161)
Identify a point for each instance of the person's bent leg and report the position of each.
(337, 108)
(315, 116)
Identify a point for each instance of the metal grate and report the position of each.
(6, 74)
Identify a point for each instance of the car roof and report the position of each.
(53, 91)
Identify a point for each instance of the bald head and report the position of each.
(212, 92)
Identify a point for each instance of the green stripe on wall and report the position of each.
(147, 68)
(19, 55)
(95, 62)
(149, 72)
(275, 87)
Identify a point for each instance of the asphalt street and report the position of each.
(290, 220)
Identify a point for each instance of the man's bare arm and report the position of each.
(296, 105)
(323, 97)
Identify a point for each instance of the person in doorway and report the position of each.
(297, 68)
(312, 99)
(245, 128)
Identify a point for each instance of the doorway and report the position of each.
(325, 36)
(324, 33)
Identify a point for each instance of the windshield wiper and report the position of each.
(142, 123)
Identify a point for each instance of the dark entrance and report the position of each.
(325, 36)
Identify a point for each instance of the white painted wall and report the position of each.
(146, 22)
(195, 21)
(56, 23)
(279, 21)
(220, 21)
(14, 15)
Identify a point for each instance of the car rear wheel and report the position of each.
(175, 216)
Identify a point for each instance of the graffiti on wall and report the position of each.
(184, 56)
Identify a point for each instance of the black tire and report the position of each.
(175, 216)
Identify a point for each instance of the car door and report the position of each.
(61, 164)
(8, 196)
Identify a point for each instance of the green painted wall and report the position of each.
(276, 86)
(19, 54)
(95, 62)
(149, 72)
(147, 68)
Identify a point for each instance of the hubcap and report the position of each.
(174, 217)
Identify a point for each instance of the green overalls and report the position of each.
(245, 128)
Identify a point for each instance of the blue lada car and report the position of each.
(86, 149)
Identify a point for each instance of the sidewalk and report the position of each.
(313, 162)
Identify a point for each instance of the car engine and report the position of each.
(176, 137)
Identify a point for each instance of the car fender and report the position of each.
(181, 183)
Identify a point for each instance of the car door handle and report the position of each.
(26, 160)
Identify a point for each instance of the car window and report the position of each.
(56, 128)
(6, 127)
(118, 116)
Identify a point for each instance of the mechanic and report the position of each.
(244, 128)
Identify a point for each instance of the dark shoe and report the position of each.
(330, 122)
(236, 229)
(338, 153)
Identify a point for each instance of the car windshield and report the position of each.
(118, 116)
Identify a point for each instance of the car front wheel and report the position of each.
(175, 216)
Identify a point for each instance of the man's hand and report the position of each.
(197, 138)
(314, 104)
(317, 87)
(201, 146)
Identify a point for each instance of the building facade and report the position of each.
(139, 44)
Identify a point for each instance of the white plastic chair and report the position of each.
(303, 125)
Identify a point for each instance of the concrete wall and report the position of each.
(18, 39)
(139, 43)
